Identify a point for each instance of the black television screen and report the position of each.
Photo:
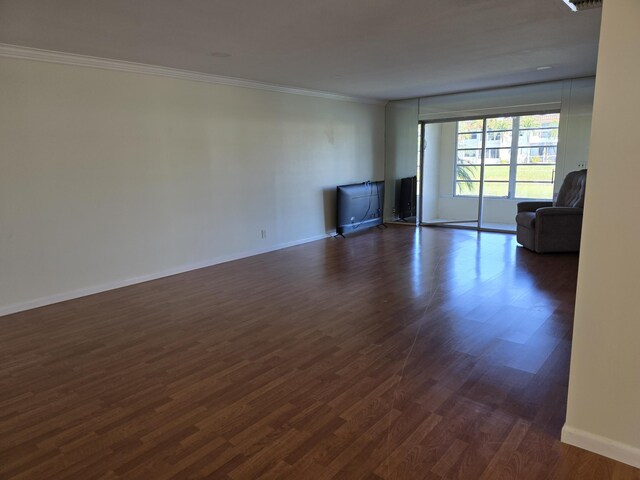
(359, 206)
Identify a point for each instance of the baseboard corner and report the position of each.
(601, 445)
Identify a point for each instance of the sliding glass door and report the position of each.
(495, 162)
(441, 202)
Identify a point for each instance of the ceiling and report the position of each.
(382, 49)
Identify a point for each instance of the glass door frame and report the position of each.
(456, 223)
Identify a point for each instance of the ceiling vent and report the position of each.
(577, 5)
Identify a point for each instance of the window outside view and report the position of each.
(519, 156)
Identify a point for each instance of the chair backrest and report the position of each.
(572, 190)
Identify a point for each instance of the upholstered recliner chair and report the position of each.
(554, 227)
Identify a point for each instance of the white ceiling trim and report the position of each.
(26, 53)
(525, 109)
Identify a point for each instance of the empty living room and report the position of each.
(319, 240)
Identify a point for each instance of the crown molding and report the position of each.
(27, 53)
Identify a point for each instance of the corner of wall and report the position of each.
(601, 445)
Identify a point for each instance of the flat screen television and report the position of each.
(359, 206)
(407, 207)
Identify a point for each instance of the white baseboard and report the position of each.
(601, 445)
(83, 292)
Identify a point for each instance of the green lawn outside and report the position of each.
(497, 181)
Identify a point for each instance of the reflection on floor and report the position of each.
(399, 353)
(443, 222)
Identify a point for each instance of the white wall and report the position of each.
(450, 207)
(575, 127)
(108, 177)
(431, 169)
(401, 149)
(533, 97)
(603, 412)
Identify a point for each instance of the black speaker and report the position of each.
(407, 207)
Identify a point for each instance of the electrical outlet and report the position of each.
(582, 165)
(263, 233)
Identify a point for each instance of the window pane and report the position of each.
(537, 146)
(468, 188)
(469, 156)
(535, 173)
(500, 123)
(497, 156)
(542, 191)
(470, 126)
(537, 155)
(538, 136)
(497, 172)
(498, 139)
(467, 172)
(540, 121)
(470, 140)
(497, 189)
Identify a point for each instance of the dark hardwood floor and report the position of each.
(394, 354)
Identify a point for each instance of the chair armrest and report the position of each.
(555, 211)
(532, 206)
(558, 229)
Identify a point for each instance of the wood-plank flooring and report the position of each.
(393, 354)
